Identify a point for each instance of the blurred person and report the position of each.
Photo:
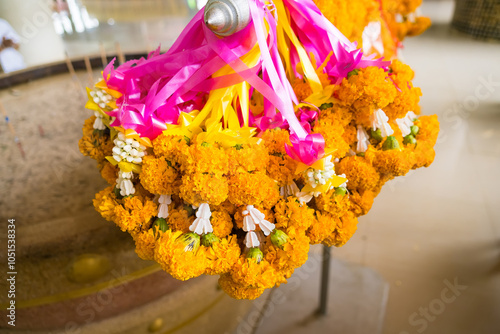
(10, 59)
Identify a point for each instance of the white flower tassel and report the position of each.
(201, 224)
(381, 121)
(406, 123)
(372, 38)
(252, 240)
(124, 183)
(255, 217)
(363, 139)
(128, 149)
(164, 201)
(98, 123)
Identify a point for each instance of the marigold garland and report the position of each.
(229, 186)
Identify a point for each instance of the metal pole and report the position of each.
(325, 273)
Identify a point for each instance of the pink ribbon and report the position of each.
(319, 36)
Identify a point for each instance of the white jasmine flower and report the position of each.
(315, 177)
(100, 97)
(128, 149)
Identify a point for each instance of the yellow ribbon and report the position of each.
(132, 134)
(124, 166)
(306, 64)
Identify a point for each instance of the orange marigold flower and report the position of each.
(257, 275)
(428, 129)
(324, 226)
(96, 146)
(346, 226)
(394, 162)
(359, 172)
(238, 291)
(420, 25)
(109, 172)
(205, 159)
(275, 140)
(145, 242)
(94, 143)
(401, 72)
(293, 254)
(282, 169)
(361, 202)
(222, 223)
(350, 135)
(332, 203)
(135, 214)
(333, 133)
(221, 255)
(292, 217)
(227, 206)
(105, 202)
(88, 126)
(337, 113)
(158, 176)
(170, 147)
(247, 158)
(367, 91)
(408, 96)
(200, 188)
(179, 219)
(177, 256)
(253, 189)
(426, 139)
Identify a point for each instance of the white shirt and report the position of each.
(10, 58)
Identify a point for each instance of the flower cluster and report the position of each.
(220, 197)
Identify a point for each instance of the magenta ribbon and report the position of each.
(307, 150)
(308, 116)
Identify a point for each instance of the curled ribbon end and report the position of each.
(307, 150)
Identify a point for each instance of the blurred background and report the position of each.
(426, 259)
